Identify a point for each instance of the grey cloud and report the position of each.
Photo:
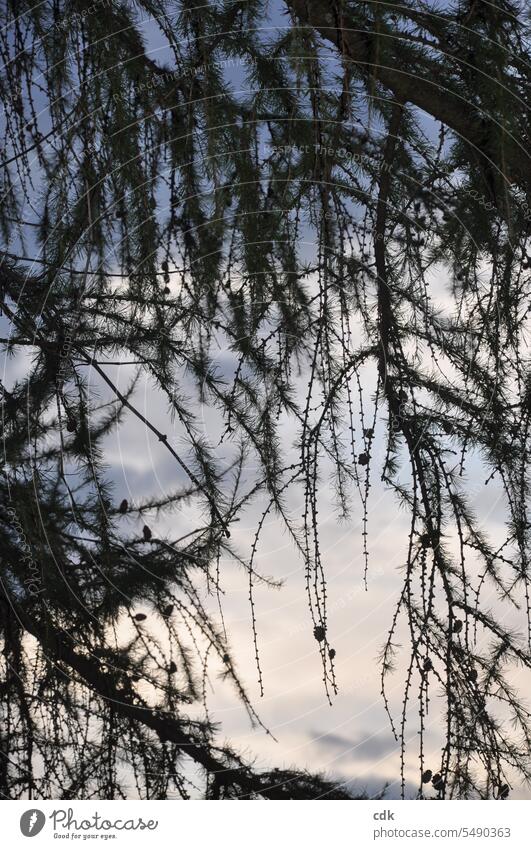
(365, 746)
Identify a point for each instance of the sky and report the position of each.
(349, 739)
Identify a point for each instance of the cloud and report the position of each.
(366, 745)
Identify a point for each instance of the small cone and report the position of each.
(319, 633)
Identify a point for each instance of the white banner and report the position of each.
(263, 825)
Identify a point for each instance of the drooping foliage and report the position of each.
(337, 194)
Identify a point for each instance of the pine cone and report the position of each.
(147, 533)
(438, 783)
(319, 633)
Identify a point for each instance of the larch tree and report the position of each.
(338, 194)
